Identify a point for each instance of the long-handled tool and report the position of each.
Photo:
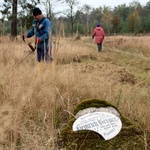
(32, 50)
(29, 44)
(22, 59)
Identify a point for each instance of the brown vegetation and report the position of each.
(36, 101)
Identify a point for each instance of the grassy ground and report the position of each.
(37, 99)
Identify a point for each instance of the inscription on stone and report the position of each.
(106, 124)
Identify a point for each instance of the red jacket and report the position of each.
(99, 34)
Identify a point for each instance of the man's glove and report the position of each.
(37, 40)
(23, 37)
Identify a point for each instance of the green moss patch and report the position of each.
(129, 138)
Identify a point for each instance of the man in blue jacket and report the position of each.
(42, 29)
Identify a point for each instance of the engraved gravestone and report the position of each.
(106, 124)
(97, 124)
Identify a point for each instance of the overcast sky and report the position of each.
(111, 3)
(98, 3)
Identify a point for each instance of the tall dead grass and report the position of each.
(133, 44)
(39, 102)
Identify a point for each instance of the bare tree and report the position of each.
(87, 9)
(48, 6)
(71, 4)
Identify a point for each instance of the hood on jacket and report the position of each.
(98, 28)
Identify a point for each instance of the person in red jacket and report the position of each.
(98, 34)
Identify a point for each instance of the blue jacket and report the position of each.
(41, 29)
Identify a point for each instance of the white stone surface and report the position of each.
(106, 124)
(94, 109)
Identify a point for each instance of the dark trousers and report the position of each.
(99, 45)
(42, 54)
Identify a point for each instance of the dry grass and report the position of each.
(35, 103)
(135, 45)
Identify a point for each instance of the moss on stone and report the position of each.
(129, 138)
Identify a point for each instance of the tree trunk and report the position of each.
(14, 20)
(3, 26)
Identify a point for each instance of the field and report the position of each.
(36, 100)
